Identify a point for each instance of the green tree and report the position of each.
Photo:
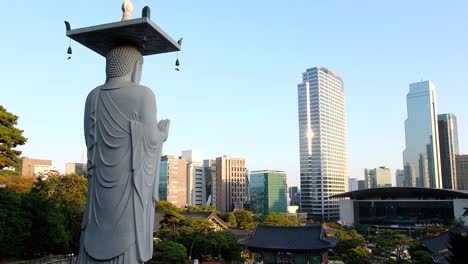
(15, 225)
(17, 184)
(216, 245)
(169, 253)
(231, 219)
(56, 206)
(278, 219)
(458, 245)
(347, 240)
(166, 206)
(419, 254)
(357, 255)
(245, 219)
(10, 138)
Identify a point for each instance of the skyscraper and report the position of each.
(448, 142)
(400, 178)
(378, 177)
(322, 142)
(421, 156)
(231, 184)
(268, 192)
(462, 171)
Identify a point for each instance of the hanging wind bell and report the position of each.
(177, 63)
(69, 50)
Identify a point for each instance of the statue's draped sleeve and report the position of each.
(123, 175)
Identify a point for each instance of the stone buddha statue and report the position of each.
(124, 144)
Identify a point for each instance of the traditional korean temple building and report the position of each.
(286, 244)
(439, 245)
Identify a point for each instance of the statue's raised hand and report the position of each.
(163, 126)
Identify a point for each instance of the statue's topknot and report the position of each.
(121, 60)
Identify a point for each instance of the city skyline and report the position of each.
(229, 83)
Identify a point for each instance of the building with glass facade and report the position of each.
(268, 192)
(322, 142)
(378, 177)
(448, 144)
(403, 206)
(421, 156)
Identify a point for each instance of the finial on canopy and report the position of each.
(127, 9)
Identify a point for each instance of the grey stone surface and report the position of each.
(142, 33)
(124, 144)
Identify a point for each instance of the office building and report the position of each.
(378, 177)
(294, 195)
(461, 162)
(231, 184)
(44, 171)
(448, 145)
(400, 178)
(353, 184)
(173, 180)
(196, 186)
(421, 156)
(76, 168)
(28, 166)
(209, 168)
(361, 184)
(322, 142)
(268, 192)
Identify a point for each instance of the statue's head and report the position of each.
(124, 61)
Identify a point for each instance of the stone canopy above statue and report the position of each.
(142, 33)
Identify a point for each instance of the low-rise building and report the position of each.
(403, 206)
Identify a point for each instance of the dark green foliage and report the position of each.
(169, 253)
(15, 224)
(42, 217)
(421, 257)
(10, 138)
(216, 245)
(458, 248)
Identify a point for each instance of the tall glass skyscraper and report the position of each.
(448, 142)
(421, 156)
(322, 142)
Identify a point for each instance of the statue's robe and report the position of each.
(124, 150)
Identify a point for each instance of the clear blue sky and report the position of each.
(236, 93)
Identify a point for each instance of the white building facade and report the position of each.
(196, 184)
(322, 142)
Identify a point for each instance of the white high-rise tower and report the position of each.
(421, 157)
(322, 142)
